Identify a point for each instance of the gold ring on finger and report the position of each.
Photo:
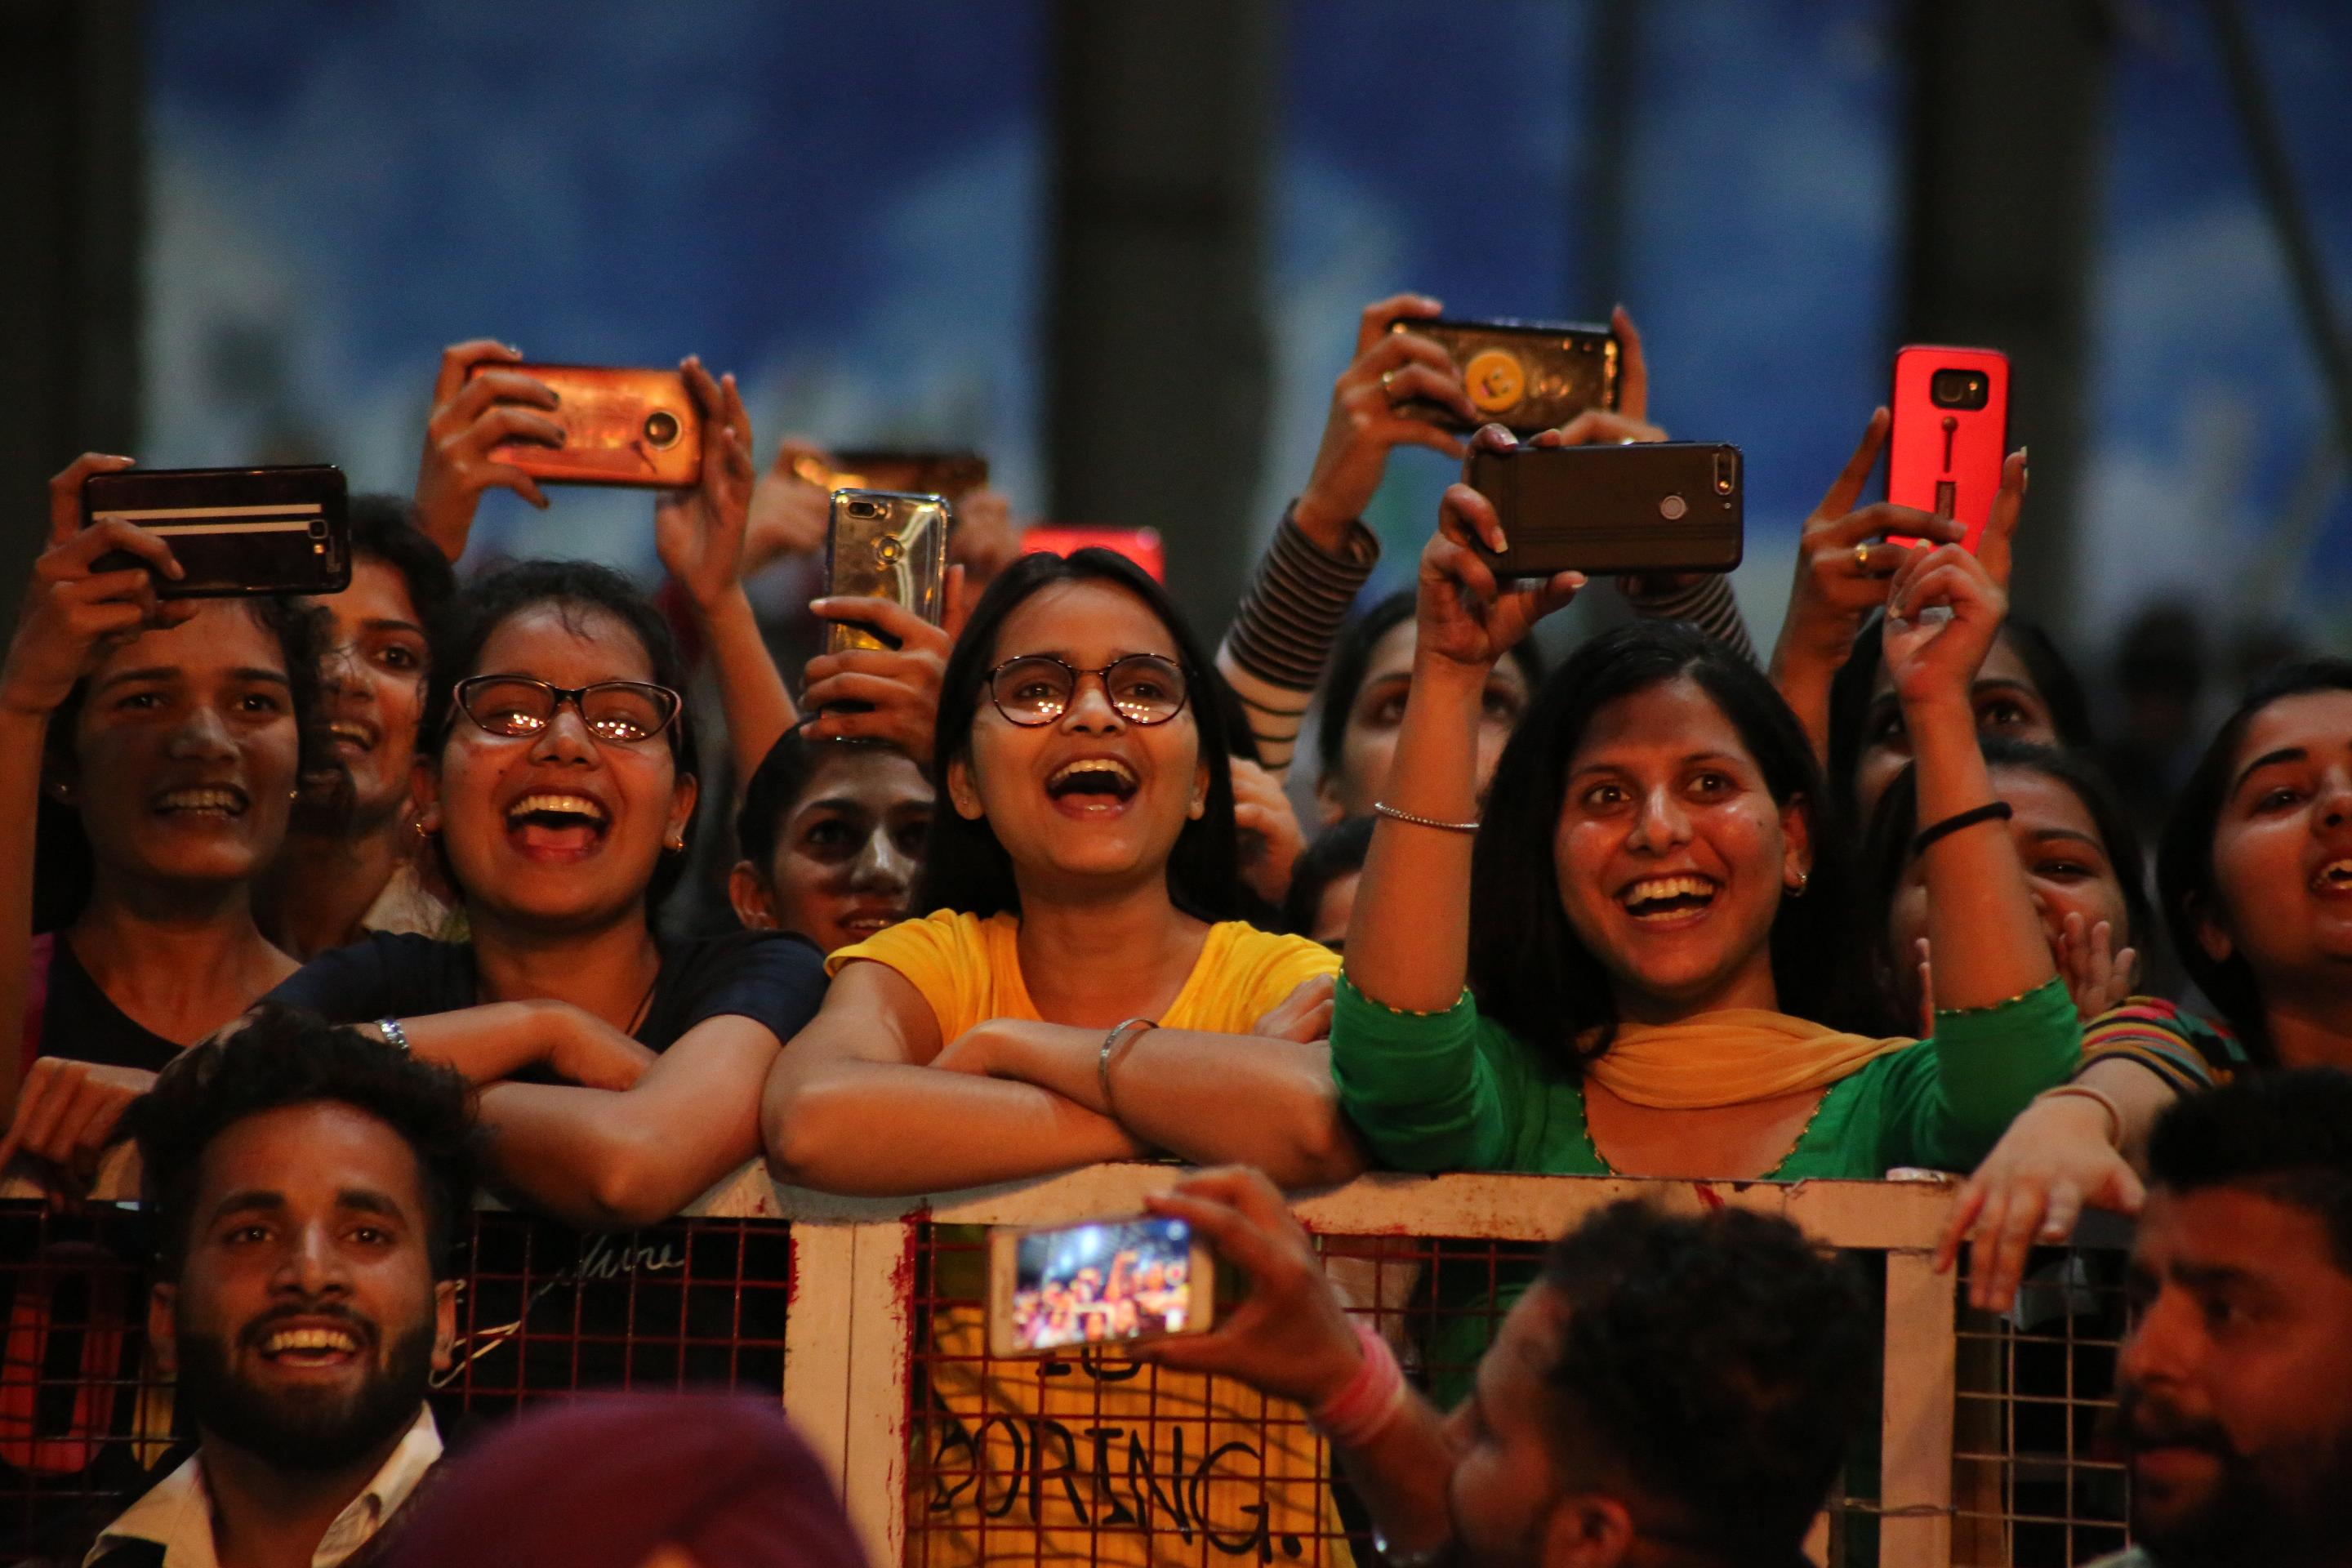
(1388, 379)
(1861, 558)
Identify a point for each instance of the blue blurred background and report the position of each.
(850, 207)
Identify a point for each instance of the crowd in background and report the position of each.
(1028, 891)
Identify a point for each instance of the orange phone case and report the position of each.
(620, 427)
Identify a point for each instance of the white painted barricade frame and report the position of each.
(849, 1330)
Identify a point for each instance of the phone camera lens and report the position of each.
(1958, 389)
(662, 428)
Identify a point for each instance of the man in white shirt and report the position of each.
(306, 1183)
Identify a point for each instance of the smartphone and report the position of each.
(1113, 1281)
(233, 531)
(1141, 545)
(1657, 506)
(882, 544)
(620, 427)
(1950, 433)
(909, 471)
(1523, 375)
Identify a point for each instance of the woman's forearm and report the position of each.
(2139, 1094)
(22, 736)
(752, 690)
(486, 1043)
(892, 1129)
(1409, 939)
(1804, 684)
(1983, 928)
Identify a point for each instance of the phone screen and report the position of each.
(1105, 1281)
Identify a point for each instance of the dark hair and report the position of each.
(1352, 661)
(1337, 851)
(285, 1056)
(1721, 1360)
(777, 783)
(2287, 1134)
(63, 863)
(2184, 854)
(1887, 856)
(386, 527)
(577, 588)
(1529, 968)
(1856, 681)
(964, 866)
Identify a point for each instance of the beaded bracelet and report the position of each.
(1383, 808)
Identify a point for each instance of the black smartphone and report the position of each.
(1657, 506)
(1523, 375)
(233, 531)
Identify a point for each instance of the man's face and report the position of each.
(305, 1321)
(1505, 1487)
(2236, 1381)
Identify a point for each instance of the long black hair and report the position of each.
(1529, 968)
(1887, 856)
(2185, 880)
(1856, 683)
(578, 588)
(1352, 661)
(964, 866)
(63, 863)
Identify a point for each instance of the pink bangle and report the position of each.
(1357, 1412)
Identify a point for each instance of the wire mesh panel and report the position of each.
(2033, 1482)
(87, 1418)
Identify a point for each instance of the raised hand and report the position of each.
(1943, 611)
(2097, 977)
(71, 611)
(1271, 839)
(469, 418)
(790, 511)
(1364, 426)
(2056, 1159)
(68, 1113)
(700, 532)
(879, 694)
(1463, 615)
(984, 541)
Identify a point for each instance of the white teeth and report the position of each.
(1657, 888)
(568, 805)
(1112, 765)
(309, 1340)
(348, 733)
(227, 800)
(2335, 874)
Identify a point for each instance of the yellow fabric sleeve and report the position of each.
(943, 955)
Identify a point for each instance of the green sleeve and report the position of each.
(1430, 1091)
(1951, 1098)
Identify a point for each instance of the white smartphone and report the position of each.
(1100, 1282)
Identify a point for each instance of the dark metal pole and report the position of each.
(1597, 224)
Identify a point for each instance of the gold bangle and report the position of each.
(1384, 809)
(2105, 1100)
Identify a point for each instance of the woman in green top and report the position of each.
(1650, 923)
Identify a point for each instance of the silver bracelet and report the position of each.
(1124, 1033)
(393, 1035)
(1385, 809)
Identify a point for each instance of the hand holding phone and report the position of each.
(232, 531)
(480, 403)
(1649, 507)
(614, 426)
(1950, 433)
(882, 544)
(1113, 1282)
(1523, 375)
(698, 529)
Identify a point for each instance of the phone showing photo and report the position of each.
(1101, 1282)
(1950, 433)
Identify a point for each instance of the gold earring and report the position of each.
(1803, 878)
(674, 845)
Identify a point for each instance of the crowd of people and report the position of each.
(324, 901)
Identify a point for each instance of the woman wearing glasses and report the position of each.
(1082, 978)
(559, 782)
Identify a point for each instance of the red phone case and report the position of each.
(1944, 456)
(1141, 545)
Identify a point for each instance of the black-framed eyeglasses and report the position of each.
(1038, 688)
(617, 713)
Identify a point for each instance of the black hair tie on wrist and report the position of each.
(1992, 810)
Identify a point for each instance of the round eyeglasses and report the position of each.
(1038, 688)
(618, 712)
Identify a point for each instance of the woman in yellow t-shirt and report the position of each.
(1082, 978)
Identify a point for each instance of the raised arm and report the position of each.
(699, 534)
(70, 611)
(1321, 554)
(1943, 610)
(852, 1105)
(1409, 941)
(469, 417)
(611, 1160)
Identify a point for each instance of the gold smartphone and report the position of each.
(887, 544)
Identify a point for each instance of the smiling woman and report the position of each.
(558, 779)
(1081, 977)
(162, 741)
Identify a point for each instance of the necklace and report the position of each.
(1584, 1117)
(646, 1004)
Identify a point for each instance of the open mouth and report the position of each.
(1662, 900)
(2335, 877)
(346, 735)
(1092, 784)
(310, 1346)
(205, 803)
(556, 825)
(867, 921)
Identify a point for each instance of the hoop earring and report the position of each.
(1803, 878)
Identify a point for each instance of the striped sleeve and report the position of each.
(2185, 1052)
(1282, 634)
(1707, 603)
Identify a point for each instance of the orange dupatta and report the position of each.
(1729, 1057)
